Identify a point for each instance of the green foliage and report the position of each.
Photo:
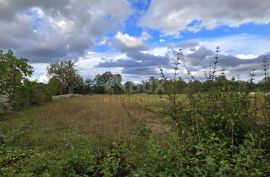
(217, 157)
(14, 83)
(79, 163)
(33, 93)
(211, 156)
(108, 83)
(110, 90)
(217, 129)
(13, 72)
(67, 74)
(10, 159)
(160, 159)
(56, 86)
(128, 87)
(74, 162)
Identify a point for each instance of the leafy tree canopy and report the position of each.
(13, 72)
(67, 74)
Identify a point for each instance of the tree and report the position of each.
(108, 81)
(56, 87)
(129, 87)
(13, 73)
(67, 74)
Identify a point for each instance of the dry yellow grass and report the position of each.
(86, 117)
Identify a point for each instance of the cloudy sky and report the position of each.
(136, 37)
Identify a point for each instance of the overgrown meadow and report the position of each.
(163, 127)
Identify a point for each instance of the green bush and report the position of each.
(32, 93)
(10, 158)
(212, 156)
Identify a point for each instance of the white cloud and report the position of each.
(43, 79)
(174, 16)
(125, 42)
(87, 63)
(40, 72)
(237, 59)
(246, 56)
(242, 44)
(44, 31)
(161, 40)
(158, 51)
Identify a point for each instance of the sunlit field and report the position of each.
(83, 118)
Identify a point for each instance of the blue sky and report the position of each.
(136, 37)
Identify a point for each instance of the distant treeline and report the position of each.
(65, 79)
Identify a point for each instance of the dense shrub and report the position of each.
(211, 156)
(74, 162)
(10, 159)
(32, 93)
(219, 129)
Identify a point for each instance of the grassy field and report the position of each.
(51, 136)
(93, 119)
(113, 135)
(83, 119)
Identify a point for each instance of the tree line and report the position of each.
(65, 79)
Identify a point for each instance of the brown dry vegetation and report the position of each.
(85, 117)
